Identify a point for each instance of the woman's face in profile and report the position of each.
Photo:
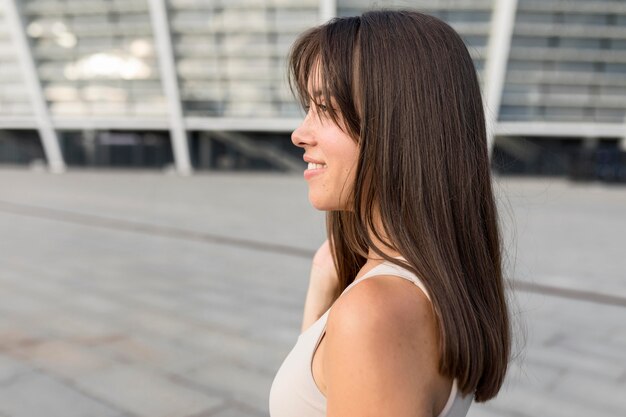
(331, 153)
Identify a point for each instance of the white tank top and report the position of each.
(294, 392)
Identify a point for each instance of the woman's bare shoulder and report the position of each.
(386, 300)
(381, 333)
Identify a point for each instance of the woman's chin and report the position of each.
(319, 206)
(325, 205)
(324, 202)
(320, 203)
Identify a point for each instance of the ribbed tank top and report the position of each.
(294, 392)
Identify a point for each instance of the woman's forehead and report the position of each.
(315, 80)
(318, 87)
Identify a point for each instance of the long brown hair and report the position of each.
(406, 91)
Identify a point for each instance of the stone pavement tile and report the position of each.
(214, 296)
(58, 320)
(218, 294)
(248, 386)
(155, 322)
(20, 303)
(155, 300)
(89, 300)
(489, 410)
(79, 326)
(183, 202)
(591, 365)
(63, 358)
(619, 340)
(605, 351)
(617, 335)
(152, 352)
(232, 318)
(285, 335)
(37, 394)
(527, 401)
(256, 306)
(14, 278)
(522, 373)
(236, 348)
(607, 396)
(171, 312)
(15, 331)
(580, 314)
(147, 393)
(260, 311)
(234, 412)
(11, 368)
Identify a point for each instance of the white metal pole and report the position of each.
(622, 140)
(328, 10)
(169, 80)
(499, 45)
(48, 135)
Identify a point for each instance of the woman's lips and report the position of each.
(313, 170)
(313, 165)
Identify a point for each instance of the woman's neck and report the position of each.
(383, 244)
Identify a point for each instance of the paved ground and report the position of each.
(144, 294)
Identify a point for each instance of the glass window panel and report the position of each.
(568, 89)
(472, 16)
(532, 17)
(103, 148)
(574, 66)
(584, 18)
(515, 113)
(98, 58)
(475, 41)
(470, 19)
(20, 147)
(569, 65)
(515, 64)
(618, 44)
(615, 68)
(95, 57)
(527, 41)
(230, 55)
(608, 115)
(580, 43)
(568, 114)
(614, 90)
(14, 98)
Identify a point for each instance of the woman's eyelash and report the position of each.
(322, 107)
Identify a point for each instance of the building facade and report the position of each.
(196, 84)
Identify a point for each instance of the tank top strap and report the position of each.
(387, 268)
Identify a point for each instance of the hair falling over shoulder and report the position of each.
(407, 92)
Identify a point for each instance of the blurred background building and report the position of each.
(201, 84)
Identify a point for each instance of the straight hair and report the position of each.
(406, 91)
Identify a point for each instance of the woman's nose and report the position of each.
(302, 136)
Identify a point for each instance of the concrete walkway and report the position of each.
(142, 294)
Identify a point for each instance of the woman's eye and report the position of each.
(322, 107)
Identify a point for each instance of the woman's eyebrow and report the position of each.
(320, 93)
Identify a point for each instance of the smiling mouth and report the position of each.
(312, 166)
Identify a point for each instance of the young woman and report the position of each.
(395, 140)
